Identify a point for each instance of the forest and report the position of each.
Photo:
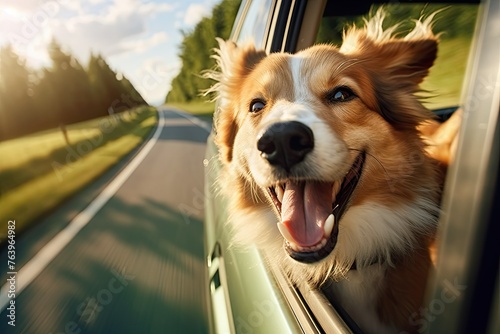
(63, 93)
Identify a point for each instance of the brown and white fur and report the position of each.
(358, 102)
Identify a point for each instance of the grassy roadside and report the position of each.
(40, 171)
(200, 109)
(446, 77)
(196, 108)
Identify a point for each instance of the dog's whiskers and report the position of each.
(253, 188)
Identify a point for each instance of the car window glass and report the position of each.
(455, 24)
(255, 22)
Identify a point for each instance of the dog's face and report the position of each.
(327, 139)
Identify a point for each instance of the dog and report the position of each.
(327, 167)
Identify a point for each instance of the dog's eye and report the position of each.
(257, 105)
(340, 94)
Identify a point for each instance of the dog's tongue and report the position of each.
(304, 209)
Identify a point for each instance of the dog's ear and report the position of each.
(396, 65)
(234, 64)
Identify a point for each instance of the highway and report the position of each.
(126, 254)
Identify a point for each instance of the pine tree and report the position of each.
(110, 93)
(61, 94)
(16, 103)
(68, 77)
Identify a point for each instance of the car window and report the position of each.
(256, 20)
(454, 24)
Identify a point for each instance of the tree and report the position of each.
(109, 93)
(16, 91)
(134, 97)
(60, 94)
(68, 76)
(196, 49)
(454, 21)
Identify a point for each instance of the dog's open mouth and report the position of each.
(310, 212)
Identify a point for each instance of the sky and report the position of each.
(139, 38)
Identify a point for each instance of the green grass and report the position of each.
(195, 108)
(40, 171)
(446, 77)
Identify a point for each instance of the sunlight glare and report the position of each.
(12, 13)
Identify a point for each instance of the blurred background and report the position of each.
(99, 231)
(66, 62)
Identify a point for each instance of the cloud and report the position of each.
(195, 12)
(153, 78)
(86, 26)
(26, 7)
(122, 27)
(142, 44)
(127, 32)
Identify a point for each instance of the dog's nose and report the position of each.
(286, 144)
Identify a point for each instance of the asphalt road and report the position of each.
(137, 266)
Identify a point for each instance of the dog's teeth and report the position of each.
(314, 248)
(323, 243)
(279, 193)
(285, 233)
(295, 247)
(330, 221)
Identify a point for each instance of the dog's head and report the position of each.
(328, 138)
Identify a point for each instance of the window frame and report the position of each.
(469, 253)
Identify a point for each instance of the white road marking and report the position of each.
(194, 120)
(35, 266)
